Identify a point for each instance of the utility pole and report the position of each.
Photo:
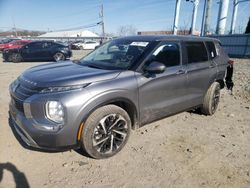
(176, 17)
(235, 11)
(14, 28)
(102, 21)
(203, 18)
(195, 8)
(208, 16)
(222, 17)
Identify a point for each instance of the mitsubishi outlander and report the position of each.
(95, 102)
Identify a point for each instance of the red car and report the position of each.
(14, 44)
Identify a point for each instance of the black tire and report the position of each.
(15, 58)
(115, 131)
(58, 56)
(80, 48)
(211, 99)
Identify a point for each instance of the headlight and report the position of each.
(55, 111)
(61, 89)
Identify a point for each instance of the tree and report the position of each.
(248, 27)
(126, 30)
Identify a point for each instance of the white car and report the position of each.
(88, 45)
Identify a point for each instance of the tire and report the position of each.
(15, 58)
(80, 48)
(106, 140)
(211, 99)
(59, 57)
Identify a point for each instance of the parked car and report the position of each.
(88, 45)
(5, 42)
(38, 51)
(72, 46)
(124, 84)
(16, 44)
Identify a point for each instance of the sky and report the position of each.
(144, 15)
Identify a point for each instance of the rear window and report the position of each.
(196, 52)
(211, 50)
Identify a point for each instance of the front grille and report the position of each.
(22, 92)
(18, 104)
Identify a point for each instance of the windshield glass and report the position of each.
(116, 54)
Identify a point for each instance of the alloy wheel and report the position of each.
(110, 133)
(59, 57)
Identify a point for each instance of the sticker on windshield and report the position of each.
(143, 44)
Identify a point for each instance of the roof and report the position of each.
(168, 37)
(74, 33)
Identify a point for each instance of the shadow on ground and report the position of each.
(19, 177)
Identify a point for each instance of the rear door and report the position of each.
(47, 50)
(201, 71)
(163, 94)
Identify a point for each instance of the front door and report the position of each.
(163, 94)
(32, 51)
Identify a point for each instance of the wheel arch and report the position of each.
(221, 82)
(125, 104)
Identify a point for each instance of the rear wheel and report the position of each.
(59, 56)
(106, 131)
(15, 58)
(211, 99)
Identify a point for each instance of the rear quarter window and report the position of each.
(196, 52)
(211, 50)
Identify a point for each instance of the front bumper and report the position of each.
(34, 138)
(5, 56)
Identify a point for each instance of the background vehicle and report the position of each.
(5, 42)
(38, 51)
(88, 45)
(123, 85)
(16, 44)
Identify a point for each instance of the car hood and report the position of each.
(65, 74)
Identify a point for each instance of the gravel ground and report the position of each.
(185, 150)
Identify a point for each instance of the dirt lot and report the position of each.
(185, 150)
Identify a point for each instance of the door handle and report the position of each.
(211, 66)
(180, 72)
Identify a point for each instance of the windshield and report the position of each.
(117, 54)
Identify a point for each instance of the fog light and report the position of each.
(55, 111)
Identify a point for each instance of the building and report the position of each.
(180, 32)
(68, 34)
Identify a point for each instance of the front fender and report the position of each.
(104, 99)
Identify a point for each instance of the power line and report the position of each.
(79, 27)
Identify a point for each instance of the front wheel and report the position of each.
(106, 131)
(211, 99)
(59, 56)
(15, 58)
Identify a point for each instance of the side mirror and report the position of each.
(155, 68)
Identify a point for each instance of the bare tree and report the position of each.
(126, 30)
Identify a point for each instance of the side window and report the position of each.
(196, 52)
(211, 50)
(217, 47)
(168, 54)
(46, 45)
(35, 45)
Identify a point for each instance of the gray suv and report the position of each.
(124, 84)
